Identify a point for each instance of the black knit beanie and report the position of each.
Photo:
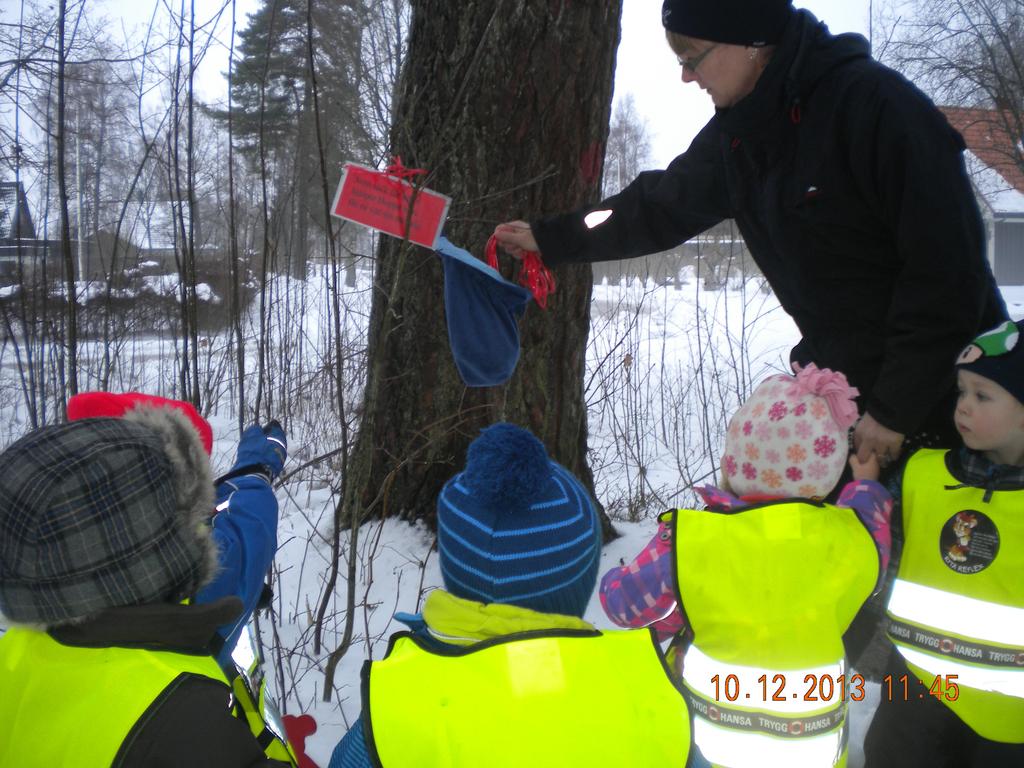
(737, 22)
(998, 355)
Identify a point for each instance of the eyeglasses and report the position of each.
(691, 64)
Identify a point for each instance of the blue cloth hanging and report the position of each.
(483, 310)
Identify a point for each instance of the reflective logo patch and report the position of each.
(969, 542)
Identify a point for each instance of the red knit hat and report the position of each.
(91, 405)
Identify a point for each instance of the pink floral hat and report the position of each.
(790, 437)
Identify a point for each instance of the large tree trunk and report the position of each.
(507, 104)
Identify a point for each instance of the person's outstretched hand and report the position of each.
(866, 470)
(516, 237)
(870, 437)
(264, 445)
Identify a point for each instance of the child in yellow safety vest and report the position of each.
(953, 691)
(500, 668)
(785, 451)
(105, 550)
(642, 594)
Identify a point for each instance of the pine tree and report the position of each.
(272, 106)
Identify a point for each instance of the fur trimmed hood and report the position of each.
(190, 462)
(103, 513)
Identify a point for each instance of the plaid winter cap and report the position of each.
(515, 527)
(101, 513)
(998, 355)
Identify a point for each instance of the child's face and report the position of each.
(989, 419)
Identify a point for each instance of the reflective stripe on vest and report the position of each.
(957, 606)
(986, 661)
(558, 698)
(759, 729)
(753, 584)
(252, 704)
(951, 612)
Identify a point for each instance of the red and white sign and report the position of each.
(377, 200)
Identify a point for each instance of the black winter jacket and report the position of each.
(849, 188)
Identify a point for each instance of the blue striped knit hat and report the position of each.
(515, 527)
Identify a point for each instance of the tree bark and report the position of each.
(507, 104)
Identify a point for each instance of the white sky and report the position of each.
(646, 67)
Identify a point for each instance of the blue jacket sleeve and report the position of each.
(245, 531)
(351, 750)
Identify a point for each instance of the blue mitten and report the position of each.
(264, 446)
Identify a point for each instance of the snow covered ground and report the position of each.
(665, 332)
(665, 369)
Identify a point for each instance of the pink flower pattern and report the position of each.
(784, 441)
(729, 463)
(824, 446)
(816, 470)
(796, 453)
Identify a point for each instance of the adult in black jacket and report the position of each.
(849, 188)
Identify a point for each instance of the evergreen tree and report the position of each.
(273, 112)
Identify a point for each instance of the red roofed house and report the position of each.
(995, 161)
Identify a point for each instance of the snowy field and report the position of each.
(665, 368)
(667, 333)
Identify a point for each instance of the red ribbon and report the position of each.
(399, 171)
(405, 175)
(532, 275)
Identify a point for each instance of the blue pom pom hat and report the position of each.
(515, 527)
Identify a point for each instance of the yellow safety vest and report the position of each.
(73, 706)
(540, 699)
(252, 705)
(769, 591)
(957, 606)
